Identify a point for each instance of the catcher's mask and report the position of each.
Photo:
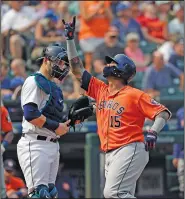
(59, 61)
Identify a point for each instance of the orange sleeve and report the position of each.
(6, 124)
(95, 88)
(20, 184)
(149, 107)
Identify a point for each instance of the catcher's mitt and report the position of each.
(80, 110)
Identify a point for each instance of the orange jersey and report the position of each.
(120, 117)
(6, 124)
(15, 184)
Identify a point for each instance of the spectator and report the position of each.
(177, 58)
(15, 187)
(5, 79)
(125, 23)
(160, 75)
(153, 28)
(176, 26)
(133, 51)
(110, 46)
(18, 68)
(95, 20)
(178, 153)
(19, 72)
(163, 9)
(65, 185)
(46, 32)
(20, 20)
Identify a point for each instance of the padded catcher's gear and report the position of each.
(80, 110)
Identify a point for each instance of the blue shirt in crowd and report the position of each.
(5, 83)
(133, 26)
(163, 78)
(177, 61)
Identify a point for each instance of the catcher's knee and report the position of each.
(41, 191)
(53, 191)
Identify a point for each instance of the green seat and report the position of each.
(169, 164)
(172, 180)
(172, 93)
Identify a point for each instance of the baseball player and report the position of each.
(6, 138)
(121, 112)
(42, 104)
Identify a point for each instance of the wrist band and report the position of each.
(71, 49)
(50, 124)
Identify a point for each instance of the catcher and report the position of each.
(121, 112)
(42, 104)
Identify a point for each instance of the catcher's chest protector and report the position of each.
(54, 106)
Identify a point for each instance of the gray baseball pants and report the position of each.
(123, 167)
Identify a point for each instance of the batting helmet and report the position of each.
(58, 57)
(124, 68)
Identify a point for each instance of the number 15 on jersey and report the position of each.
(115, 121)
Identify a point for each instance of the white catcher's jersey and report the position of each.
(32, 93)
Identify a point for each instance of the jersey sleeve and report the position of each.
(92, 85)
(149, 107)
(6, 124)
(31, 93)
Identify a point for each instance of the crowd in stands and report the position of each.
(149, 32)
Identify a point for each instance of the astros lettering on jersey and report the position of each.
(120, 117)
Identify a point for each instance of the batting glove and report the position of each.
(2, 149)
(69, 29)
(150, 140)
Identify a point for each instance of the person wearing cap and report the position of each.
(15, 186)
(125, 23)
(133, 51)
(160, 75)
(6, 138)
(46, 31)
(177, 57)
(176, 26)
(111, 46)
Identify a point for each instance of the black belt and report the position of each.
(44, 138)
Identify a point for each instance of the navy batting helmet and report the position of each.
(124, 68)
(58, 57)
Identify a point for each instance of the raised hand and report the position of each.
(69, 28)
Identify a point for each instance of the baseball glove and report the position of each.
(80, 110)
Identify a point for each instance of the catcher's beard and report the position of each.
(55, 72)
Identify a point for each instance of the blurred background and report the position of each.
(149, 32)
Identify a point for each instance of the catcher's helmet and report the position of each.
(58, 57)
(125, 67)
